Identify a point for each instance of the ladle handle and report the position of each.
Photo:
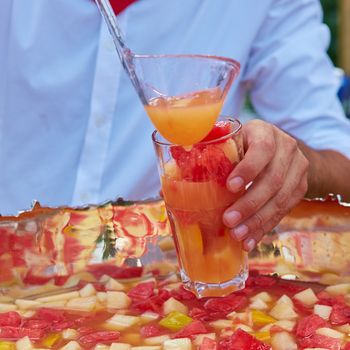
(126, 56)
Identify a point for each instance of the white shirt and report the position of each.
(72, 130)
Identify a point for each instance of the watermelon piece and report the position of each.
(182, 294)
(100, 337)
(142, 291)
(319, 341)
(308, 325)
(226, 304)
(220, 129)
(11, 318)
(15, 333)
(36, 324)
(195, 327)
(151, 330)
(241, 340)
(208, 344)
(340, 314)
(50, 315)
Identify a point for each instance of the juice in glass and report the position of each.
(193, 182)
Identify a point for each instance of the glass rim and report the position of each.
(228, 60)
(234, 132)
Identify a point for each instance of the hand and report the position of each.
(277, 171)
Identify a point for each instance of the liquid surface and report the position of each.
(185, 120)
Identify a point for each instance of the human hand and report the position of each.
(278, 171)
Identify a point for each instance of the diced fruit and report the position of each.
(243, 327)
(219, 324)
(208, 344)
(156, 340)
(195, 327)
(283, 311)
(63, 296)
(7, 307)
(101, 347)
(72, 345)
(58, 304)
(338, 289)
(82, 304)
(25, 304)
(306, 297)
(149, 316)
(198, 339)
(5, 345)
(329, 332)
(286, 325)
(146, 347)
(120, 346)
(103, 337)
(241, 340)
(113, 285)
(259, 304)
(283, 341)
(323, 311)
(264, 296)
(142, 291)
(101, 297)
(118, 300)
(120, 322)
(340, 314)
(50, 340)
(308, 325)
(177, 344)
(87, 291)
(11, 318)
(226, 304)
(151, 330)
(70, 333)
(174, 305)
(263, 336)
(220, 129)
(24, 344)
(175, 321)
(319, 341)
(285, 300)
(260, 318)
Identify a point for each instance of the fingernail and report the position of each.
(236, 184)
(240, 232)
(232, 218)
(250, 244)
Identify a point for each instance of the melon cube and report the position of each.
(118, 300)
(158, 340)
(283, 341)
(70, 333)
(72, 345)
(258, 304)
(285, 299)
(87, 291)
(62, 296)
(177, 344)
(198, 339)
(120, 346)
(306, 297)
(101, 297)
(24, 304)
(220, 324)
(323, 311)
(101, 347)
(283, 311)
(286, 325)
(174, 305)
(58, 304)
(243, 327)
(329, 332)
(24, 344)
(264, 296)
(7, 307)
(146, 347)
(82, 304)
(338, 289)
(120, 322)
(149, 316)
(113, 285)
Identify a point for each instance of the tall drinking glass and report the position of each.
(193, 183)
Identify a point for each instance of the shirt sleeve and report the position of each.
(292, 81)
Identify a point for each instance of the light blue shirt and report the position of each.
(72, 130)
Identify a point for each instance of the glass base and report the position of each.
(203, 289)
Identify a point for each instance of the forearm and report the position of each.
(329, 172)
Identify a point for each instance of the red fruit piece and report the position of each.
(241, 340)
(226, 304)
(182, 294)
(142, 291)
(319, 341)
(308, 325)
(103, 337)
(36, 324)
(208, 344)
(15, 333)
(340, 314)
(11, 318)
(50, 315)
(195, 327)
(219, 130)
(151, 330)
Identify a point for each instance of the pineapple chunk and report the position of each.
(329, 332)
(283, 311)
(70, 333)
(120, 322)
(285, 299)
(156, 340)
(306, 297)
(118, 300)
(264, 296)
(82, 304)
(174, 305)
(220, 324)
(120, 346)
(7, 307)
(72, 345)
(198, 340)
(243, 327)
(338, 289)
(101, 297)
(24, 344)
(87, 291)
(323, 311)
(283, 341)
(258, 304)
(286, 325)
(113, 285)
(63, 296)
(177, 344)
(24, 304)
